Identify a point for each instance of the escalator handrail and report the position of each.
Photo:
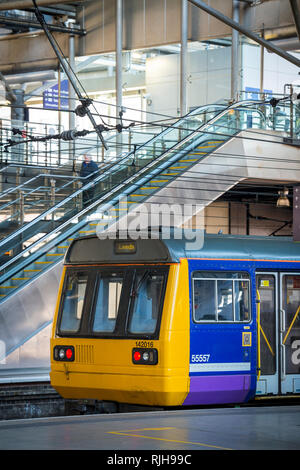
(115, 189)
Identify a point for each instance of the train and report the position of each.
(160, 322)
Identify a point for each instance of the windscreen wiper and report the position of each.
(135, 291)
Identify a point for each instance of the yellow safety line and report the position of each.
(20, 278)
(54, 254)
(206, 147)
(291, 325)
(177, 167)
(150, 187)
(32, 270)
(8, 287)
(167, 440)
(193, 160)
(198, 153)
(159, 181)
(43, 262)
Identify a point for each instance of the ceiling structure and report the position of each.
(146, 24)
(150, 26)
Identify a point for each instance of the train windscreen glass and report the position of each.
(107, 301)
(73, 300)
(146, 300)
(112, 302)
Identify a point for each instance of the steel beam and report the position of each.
(119, 47)
(9, 92)
(296, 15)
(21, 4)
(13, 22)
(183, 58)
(71, 76)
(241, 29)
(235, 52)
(118, 70)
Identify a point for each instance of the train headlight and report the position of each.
(147, 356)
(61, 354)
(64, 353)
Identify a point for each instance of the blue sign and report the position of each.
(253, 93)
(50, 96)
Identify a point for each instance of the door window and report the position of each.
(291, 322)
(266, 286)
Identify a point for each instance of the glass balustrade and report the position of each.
(215, 122)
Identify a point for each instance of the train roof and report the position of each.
(192, 244)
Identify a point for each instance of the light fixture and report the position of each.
(283, 200)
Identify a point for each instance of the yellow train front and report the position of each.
(163, 323)
(121, 328)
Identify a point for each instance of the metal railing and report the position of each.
(134, 169)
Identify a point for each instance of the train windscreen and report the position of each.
(112, 301)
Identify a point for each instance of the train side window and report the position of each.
(221, 297)
(204, 300)
(72, 307)
(107, 302)
(241, 301)
(225, 294)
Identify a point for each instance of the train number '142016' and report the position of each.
(200, 357)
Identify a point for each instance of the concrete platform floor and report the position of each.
(253, 428)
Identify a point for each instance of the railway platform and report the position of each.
(215, 429)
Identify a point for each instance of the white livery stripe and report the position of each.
(221, 367)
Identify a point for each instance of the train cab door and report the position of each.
(266, 286)
(290, 332)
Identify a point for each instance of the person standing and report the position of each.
(89, 170)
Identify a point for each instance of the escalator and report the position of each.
(29, 280)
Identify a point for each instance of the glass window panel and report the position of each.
(146, 298)
(221, 296)
(107, 302)
(225, 306)
(219, 275)
(241, 301)
(265, 284)
(204, 300)
(73, 302)
(291, 334)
